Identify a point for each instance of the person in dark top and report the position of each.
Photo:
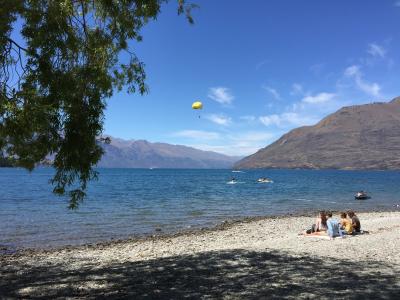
(355, 221)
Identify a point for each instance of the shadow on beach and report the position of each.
(219, 274)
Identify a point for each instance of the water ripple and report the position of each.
(126, 202)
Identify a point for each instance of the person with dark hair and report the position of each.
(320, 223)
(355, 221)
(346, 224)
(333, 226)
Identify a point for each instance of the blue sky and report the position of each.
(260, 68)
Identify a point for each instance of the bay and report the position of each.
(137, 202)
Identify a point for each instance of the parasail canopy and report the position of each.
(197, 105)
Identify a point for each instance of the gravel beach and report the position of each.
(262, 258)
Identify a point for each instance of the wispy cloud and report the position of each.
(352, 71)
(271, 120)
(319, 98)
(355, 73)
(297, 89)
(261, 64)
(286, 120)
(272, 91)
(397, 4)
(197, 134)
(219, 119)
(376, 51)
(221, 95)
(378, 55)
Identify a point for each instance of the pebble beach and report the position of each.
(262, 257)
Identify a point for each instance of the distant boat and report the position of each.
(361, 195)
(237, 171)
(232, 181)
(264, 180)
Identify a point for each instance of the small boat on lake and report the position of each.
(232, 181)
(361, 195)
(264, 180)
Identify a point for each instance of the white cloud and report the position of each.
(219, 119)
(319, 98)
(368, 88)
(286, 120)
(352, 71)
(272, 91)
(271, 120)
(397, 4)
(197, 134)
(297, 89)
(376, 50)
(221, 95)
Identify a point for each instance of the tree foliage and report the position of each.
(6, 161)
(56, 76)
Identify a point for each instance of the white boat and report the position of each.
(361, 196)
(264, 180)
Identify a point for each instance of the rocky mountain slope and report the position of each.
(355, 137)
(143, 154)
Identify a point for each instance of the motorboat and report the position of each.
(264, 180)
(361, 195)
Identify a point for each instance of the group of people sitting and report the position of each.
(325, 224)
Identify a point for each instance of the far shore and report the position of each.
(251, 258)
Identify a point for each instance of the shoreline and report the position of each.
(160, 236)
(263, 257)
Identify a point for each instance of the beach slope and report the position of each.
(263, 258)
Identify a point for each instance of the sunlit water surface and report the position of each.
(135, 202)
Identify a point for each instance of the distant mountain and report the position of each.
(355, 137)
(143, 154)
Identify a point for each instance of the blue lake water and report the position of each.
(130, 202)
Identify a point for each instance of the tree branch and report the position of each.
(84, 18)
(16, 44)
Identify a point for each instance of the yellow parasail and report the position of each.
(197, 105)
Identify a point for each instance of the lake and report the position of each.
(137, 202)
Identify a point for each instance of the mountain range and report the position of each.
(355, 137)
(143, 154)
